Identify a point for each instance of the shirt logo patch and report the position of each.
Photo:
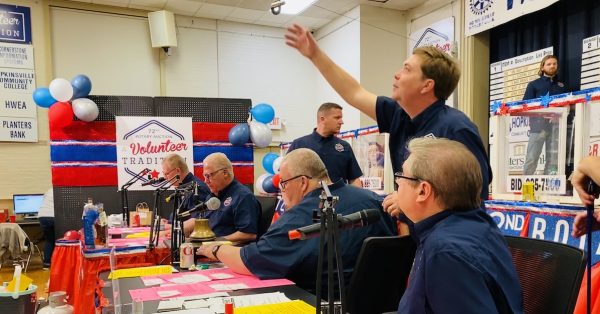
(430, 135)
(339, 147)
(560, 84)
(227, 201)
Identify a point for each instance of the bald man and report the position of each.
(274, 255)
(239, 214)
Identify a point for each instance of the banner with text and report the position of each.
(143, 142)
(481, 15)
(15, 24)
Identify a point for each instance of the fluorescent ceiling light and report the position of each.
(293, 7)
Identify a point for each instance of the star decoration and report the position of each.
(546, 99)
(504, 109)
(588, 97)
(496, 105)
(154, 174)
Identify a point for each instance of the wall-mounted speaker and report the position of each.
(162, 29)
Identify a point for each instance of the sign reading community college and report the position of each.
(143, 142)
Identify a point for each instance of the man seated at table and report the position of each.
(238, 216)
(462, 263)
(173, 165)
(274, 255)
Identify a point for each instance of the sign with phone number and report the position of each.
(549, 184)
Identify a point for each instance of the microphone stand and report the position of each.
(125, 198)
(177, 233)
(329, 231)
(590, 223)
(155, 221)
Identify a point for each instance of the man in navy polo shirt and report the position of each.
(417, 107)
(237, 218)
(173, 165)
(274, 255)
(336, 154)
(541, 129)
(462, 263)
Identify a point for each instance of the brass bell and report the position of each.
(202, 231)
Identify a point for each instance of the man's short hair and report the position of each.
(324, 108)
(451, 169)
(303, 161)
(220, 161)
(544, 59)
(441, 68)
(176, 161)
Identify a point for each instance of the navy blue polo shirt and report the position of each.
(239, 211)
(462, 265)
(541, 87)
(274, 255)
(337, 155)
(438, 120)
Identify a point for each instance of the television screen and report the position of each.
(27, 203)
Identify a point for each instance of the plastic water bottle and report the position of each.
(90, 214)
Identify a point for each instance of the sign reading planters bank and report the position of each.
(143, 142)
(15, 24)
(481, 15)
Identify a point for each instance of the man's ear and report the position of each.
(429, 86)
(425, 191)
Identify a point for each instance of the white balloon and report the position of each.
(258, 185)
(85, 109)
(260, 134)
(277, 164)
(61, 89)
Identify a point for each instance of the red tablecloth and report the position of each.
(77, 274)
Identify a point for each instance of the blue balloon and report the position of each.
(42, 97)
(263, 113)
(239, 134)
(267, 162)
(82, 86)
(268, 186)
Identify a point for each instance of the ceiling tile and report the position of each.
(213, 11)
(183, 7)
(246, 14)
(318, 12)
(141, 4)
(279, 20)
(259, 5)
(86, 1)
(230, 3)
(309, 22)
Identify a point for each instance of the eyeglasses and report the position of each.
(283, 183)
(399, 175)
(168, 172)
(210, 175)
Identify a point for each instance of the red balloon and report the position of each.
(276, 180)
(60, 114)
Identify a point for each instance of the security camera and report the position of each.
(276, 7)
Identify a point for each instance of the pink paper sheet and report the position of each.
(112, 231)
(131, 242)
(186, 290)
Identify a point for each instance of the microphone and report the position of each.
(355, 220)
(213, 203)
(154, 181)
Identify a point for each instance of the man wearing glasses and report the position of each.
(174, 165)
(274, 255)
(462, 263)
(238, 216)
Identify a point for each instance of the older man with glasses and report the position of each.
(238, 216)
(274, 255)
(462, 263)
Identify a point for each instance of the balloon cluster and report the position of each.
(65, 99)
(255, 130)
(269, 182)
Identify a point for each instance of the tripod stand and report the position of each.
(156, 215)
(330, 233)
(177, 233)
(125, 198)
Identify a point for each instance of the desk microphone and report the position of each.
(213, 203)
(154, 181)
(355, 220)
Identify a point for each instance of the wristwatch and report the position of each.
(215, 249)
